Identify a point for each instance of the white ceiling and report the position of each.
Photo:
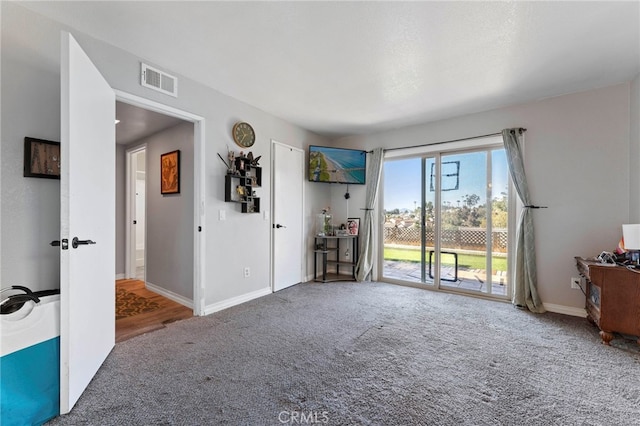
(342, 68)
(137, 123)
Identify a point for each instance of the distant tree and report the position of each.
(499, 211)
(470, 200)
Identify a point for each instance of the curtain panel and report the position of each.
(525, 285)
(368, 232)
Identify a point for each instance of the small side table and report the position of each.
(327, 248)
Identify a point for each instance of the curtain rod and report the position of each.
(520, 130)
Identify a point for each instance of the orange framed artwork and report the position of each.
(170, 172)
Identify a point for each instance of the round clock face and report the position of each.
(243, 134)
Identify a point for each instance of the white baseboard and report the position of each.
(169, 294)
(119, 276)
(219, 306)
(566, 310)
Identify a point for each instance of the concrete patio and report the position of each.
(468, 279)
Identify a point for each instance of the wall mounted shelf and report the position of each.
(240, 185)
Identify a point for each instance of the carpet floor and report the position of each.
(366, 354)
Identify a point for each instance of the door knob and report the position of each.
(64, 243)
(76, 242)
(278, 226)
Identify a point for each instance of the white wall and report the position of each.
(170, 216)
(634, 152)
(576, 150)
(31, 107)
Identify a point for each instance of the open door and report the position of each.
(87, 222)
(288, 202)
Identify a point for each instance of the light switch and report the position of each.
(222, 215)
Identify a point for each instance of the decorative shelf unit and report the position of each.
(239, 186)
(327, 250)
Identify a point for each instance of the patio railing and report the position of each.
(461, 238)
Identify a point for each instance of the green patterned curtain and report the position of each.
(526, 281)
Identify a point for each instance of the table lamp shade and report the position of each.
(631, 235)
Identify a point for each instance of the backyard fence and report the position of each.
(461, 238)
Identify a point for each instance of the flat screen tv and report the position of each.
(337, 165)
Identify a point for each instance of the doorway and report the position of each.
(149, 297)
(136, 196)
(162, 123)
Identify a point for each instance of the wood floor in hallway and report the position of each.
(169, 311)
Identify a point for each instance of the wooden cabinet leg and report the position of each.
(606, 337)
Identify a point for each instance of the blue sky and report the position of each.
(402, 178)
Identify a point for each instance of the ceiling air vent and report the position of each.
(158, 80)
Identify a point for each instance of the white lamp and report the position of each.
(631, 235)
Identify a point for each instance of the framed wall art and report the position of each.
(170, 172)
(353, 225)
(41, 158)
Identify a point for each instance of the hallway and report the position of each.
(140, 311)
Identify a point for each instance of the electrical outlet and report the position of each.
(575, 283)
(247, 272)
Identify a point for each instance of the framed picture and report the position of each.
(170, 172)
(41, 158)
(353, 225)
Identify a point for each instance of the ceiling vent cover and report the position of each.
(158, 80)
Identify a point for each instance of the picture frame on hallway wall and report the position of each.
(41, 158)
(353, 225)
(170, 173)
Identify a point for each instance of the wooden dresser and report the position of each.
(613, 298)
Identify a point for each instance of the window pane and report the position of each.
(402, 227)
(464, 222)
(499, 220)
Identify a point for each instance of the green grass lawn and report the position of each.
(468, 261)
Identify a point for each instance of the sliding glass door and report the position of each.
(447, 220)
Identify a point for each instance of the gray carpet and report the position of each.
(367, 354)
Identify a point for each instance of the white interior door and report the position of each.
(139, 213)
(140, 217)
(287, 215)
(87, 202)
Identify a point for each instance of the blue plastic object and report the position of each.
(30, 393)
(29, 357)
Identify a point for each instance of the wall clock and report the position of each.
(243, 134)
